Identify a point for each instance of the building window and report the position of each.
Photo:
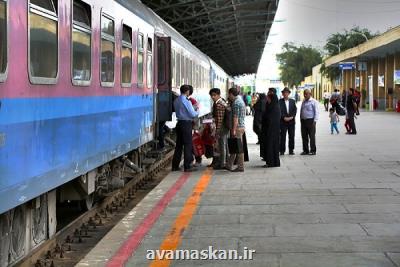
(140, 59)
(3, 39)
(81, 43)
(43, 41)
(126, 56)
(149, 63)
(107, 51)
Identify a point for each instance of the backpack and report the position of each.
(340, 110)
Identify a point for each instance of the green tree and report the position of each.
(341, 41)
(297, 62)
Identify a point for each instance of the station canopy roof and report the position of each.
(232, 32)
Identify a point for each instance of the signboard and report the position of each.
(309, 86)
(397, 77)
(381, 81)
(357, 81)
(371, 92)
(347, 65)
(362, 66)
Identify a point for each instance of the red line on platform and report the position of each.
(132, 243)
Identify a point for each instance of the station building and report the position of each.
(376, 72)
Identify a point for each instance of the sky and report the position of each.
(310, 22)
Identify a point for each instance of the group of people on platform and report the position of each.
(345, 105)
(273, 120)
(228, 121)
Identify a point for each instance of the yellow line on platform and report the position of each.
(174, 237)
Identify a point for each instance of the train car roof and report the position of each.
(148, 15)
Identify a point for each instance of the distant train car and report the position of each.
(219, 78)
(83, 84)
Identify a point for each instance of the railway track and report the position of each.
(75, 240)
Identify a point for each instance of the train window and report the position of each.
(149, 63)
(173, 68)
(3, 38)
(48, 5)
(43, 41)
(81, 44)
(183, 70)
(126, 56)
(149, 71)
(190, 72)
(107, 51)
(140, 59)
(178, 70)
(149, 44)
(187, 70)
(161, 61)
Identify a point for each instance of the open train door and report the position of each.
(164, 92)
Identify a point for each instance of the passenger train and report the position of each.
(83, 85)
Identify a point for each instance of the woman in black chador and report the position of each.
(259, 109)
(271, 131)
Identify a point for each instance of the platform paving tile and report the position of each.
(356, 218)
(308, 230)
(326, 244)
(271, 192)
(335, 260)
(382, 229)
(278, 219)
(395, 257)
(273, 200)
(259, 260)
(372, 208)
(229, 230)
(341, 199)
(364, 191)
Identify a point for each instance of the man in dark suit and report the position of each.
(288, 121)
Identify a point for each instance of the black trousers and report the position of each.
(308, 135)
(352, 124)
(326, 104)
(287, 128)
(183, 143)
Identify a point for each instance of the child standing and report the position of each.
(334, 120)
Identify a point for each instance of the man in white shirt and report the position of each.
(309, 115)
(327, 97)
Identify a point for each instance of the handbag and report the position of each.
(235, 145)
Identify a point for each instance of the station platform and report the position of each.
(338, 208)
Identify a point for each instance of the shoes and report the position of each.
(331, 132)
(304, 153)
(291, 153)
(267, 166)
(312, 153)
(238, 170)
(191, 169)
(176, 169)
(281, 153)
(227, 168)
(219, 168)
